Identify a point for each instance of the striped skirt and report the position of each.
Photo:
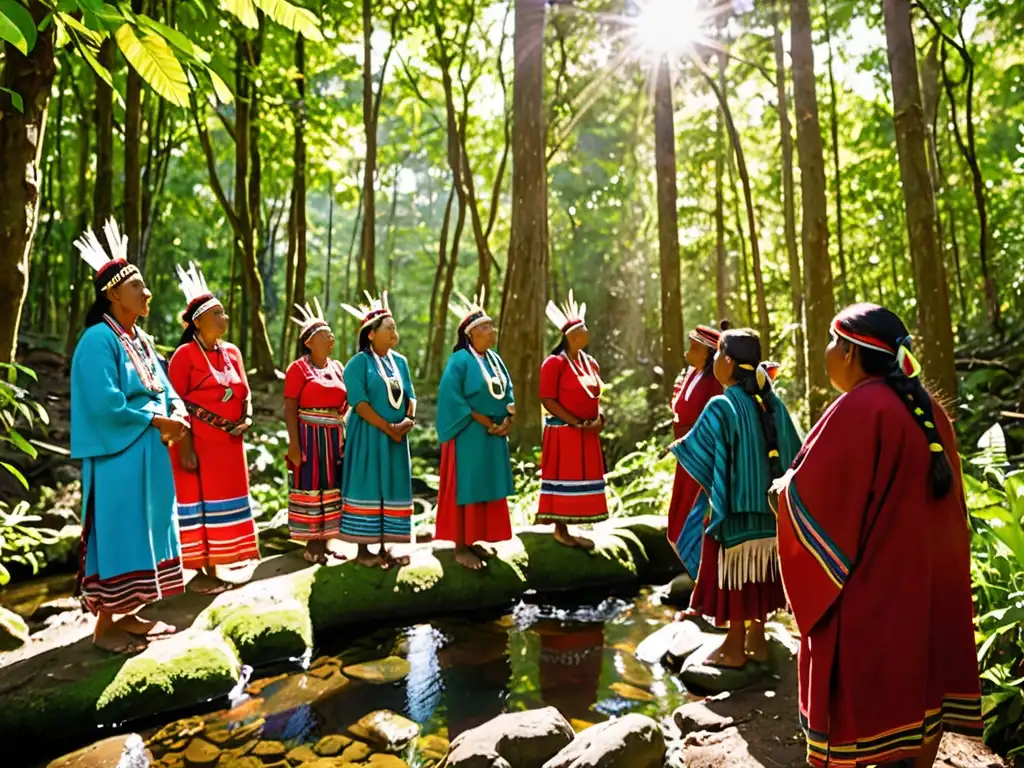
(572, 486)
(314, 500)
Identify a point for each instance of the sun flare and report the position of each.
(664, 27)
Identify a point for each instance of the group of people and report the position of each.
(859, 529)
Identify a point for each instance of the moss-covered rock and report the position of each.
(618, 557)
(13, 631)
(662, 561)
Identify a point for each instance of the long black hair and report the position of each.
(875, 322)
(563, 341)
(743, 345)
(99, 308)
(364, 335)
(709, 361)
(188, 319)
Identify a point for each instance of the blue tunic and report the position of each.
(132, 549)
(376, 483)
(483, 469)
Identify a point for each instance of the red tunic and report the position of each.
(877, 572)
(572, 464)
(690, 394)
(314, 502)
(214, 509)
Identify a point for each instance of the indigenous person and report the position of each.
(873, 533)
(693, 388)
(315, 404)
(737, 448)
(124, 413)
(377, 478)
(572, 464)
(211, 477)
(475, 409)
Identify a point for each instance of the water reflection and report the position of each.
(461, 673)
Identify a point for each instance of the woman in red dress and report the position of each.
(572, 464)
(875, 551)
(315, 404)
(693, 388)
(211, 476)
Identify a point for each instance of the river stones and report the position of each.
(631, 741)
(355, 752)
(389, 670)
(518, 739)
(696, 716)
(201, 754)
(300, 690)
(269, 751)
(631, 692)
(329, 746)
(698, 675)
(385, 761)
(687, 640)
(99, 755)
(432, 747)
(301, 755)
(386, 730)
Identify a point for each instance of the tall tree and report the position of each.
(844, 287)
(24, 98)
(103, 191)
(934, 321)
(132, 158)
(522, 312)
(820, 304)
(668, 224)
(796, 288)
(721, 160)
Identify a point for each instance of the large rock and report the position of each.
(631, 741)
(386, 731)
(516, 740)
(99, 755)
(696, 716)
(698, 675)
(389, 670)
(688, 639)
(13, 631)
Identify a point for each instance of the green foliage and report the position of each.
(21, 543)
(16, 404)
(996, 503)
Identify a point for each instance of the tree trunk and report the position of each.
(368, 246)
(523, 300)
(103, 192)
(748, 293)
(431, 364)
(721, 256)
(262, 356)
(764, 328)
(934, 322)
(300, 176)
(77, 266)
(820, 305)
(441, 319)
(132, 159)
(796, 289)
(844, 289)
(330, 240)
(21, 146)
(930, 98)
(672, 351)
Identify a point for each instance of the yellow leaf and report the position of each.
(243, 10)
(293, 17)
(224, 94)
(155, 62)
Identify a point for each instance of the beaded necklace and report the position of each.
(586, 374)
(497, 384)
(393, 383)
(141, 354)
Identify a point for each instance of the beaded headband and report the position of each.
(199, 297)
(370, 313)
(470, 313)
(113, 268)
(567, 317)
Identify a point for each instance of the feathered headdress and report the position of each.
(309, 319)
(567, 317)
(199, 297)
(374, 310)
(471, 313)
(110, 268)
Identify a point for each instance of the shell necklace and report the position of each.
(140, 353)
(585, 374)
(497, 384)
(396, 391)
(223, 377)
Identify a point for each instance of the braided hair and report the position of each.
(743, 345)
(877, 324)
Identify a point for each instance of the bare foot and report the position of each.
(208, 585)
(392, 561)
(483, 550)
(116, 640)
(757, 646)
(369, 560)
(584, 543)
(468, 559)
(139, 627)
(565, 539)
(726, 658)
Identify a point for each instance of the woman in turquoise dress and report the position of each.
(475, 410)
(124, 415)
(376, 485)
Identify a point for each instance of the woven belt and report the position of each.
(322, 417)
(208, 417)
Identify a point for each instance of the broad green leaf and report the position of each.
(293, 17)
(224, 94)
(22, 444)
(16, 99)
(17, 26)
(70, 21)
(175, 38)
(14, 471)
(243, 10)
(155, 62)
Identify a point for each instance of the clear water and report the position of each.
(579, 658)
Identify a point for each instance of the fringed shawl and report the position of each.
(727, 454)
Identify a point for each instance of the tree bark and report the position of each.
(300, 176)
(934, 321)
(820, 305)
(132, 159)
(844, 289)
(21, 146)
(796, 288)
(764, 328)
(368, 246)
(103, 192)
(436, 326)
(672, 351)
(523, 300)
(721, 255)
(76, 265)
